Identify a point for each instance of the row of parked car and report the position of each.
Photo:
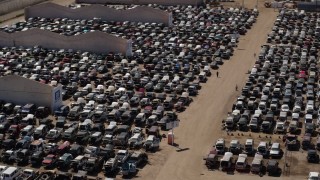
(113, 102)
(228, 161)
(10, 172)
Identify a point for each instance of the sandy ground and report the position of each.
(201, 123)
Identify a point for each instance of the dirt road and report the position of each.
(201, 123)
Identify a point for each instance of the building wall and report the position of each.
(21, 91)
(138, 14)
(8, 6)
(139, 2)
(97, 42)
(56, 96)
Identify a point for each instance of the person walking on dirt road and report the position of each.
(217, 73)
(236, 87)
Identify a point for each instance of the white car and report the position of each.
(281, 127)
(285, 108)
(314, 176)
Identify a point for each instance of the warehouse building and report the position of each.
(20, 90)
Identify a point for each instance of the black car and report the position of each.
(36, 158)
(76, 150)
(313, 156)
(82, 137)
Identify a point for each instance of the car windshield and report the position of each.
(261, 149)
(219, 146)
(233, 145)
(38, 131)
(240, 163)
(313, 178)
(52, 133)
(280, 126)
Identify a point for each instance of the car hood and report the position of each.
(47, 161)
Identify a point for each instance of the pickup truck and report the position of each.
(110, 166)
(28, 174)
(54, 134)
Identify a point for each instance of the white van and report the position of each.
(10, 173)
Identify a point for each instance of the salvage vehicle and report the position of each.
(78, 162)
(235, 146)
(128, 168)
(312, 156)
(22, 156)
(28, 174)
(53, 134)
(36, 158)
(273, 167)
(50, 161)
(136, 141)
(138, 158)
(249, 147)
(275, 151)
(122, 156)
(220, 146)
(152, 143)
(241, 163)
(8, 156)
(263, 149)
(226, 161)
(211, 161)
(93, 164)
(64, 161)
(257, 164)
(110, 166)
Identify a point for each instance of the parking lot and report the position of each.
(201, 122)
(114, 74)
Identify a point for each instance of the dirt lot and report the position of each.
(201, 123)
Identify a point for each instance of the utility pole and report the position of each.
(242, 3)
(257, 4)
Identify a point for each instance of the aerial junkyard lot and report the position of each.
(278, 106)
(116, 107)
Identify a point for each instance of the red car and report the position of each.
(64, 147)
(49, 161)
(302, 74)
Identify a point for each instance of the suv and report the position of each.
(275, 151)
(235, 147)
(220, 146)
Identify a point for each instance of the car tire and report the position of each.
(44, 177)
